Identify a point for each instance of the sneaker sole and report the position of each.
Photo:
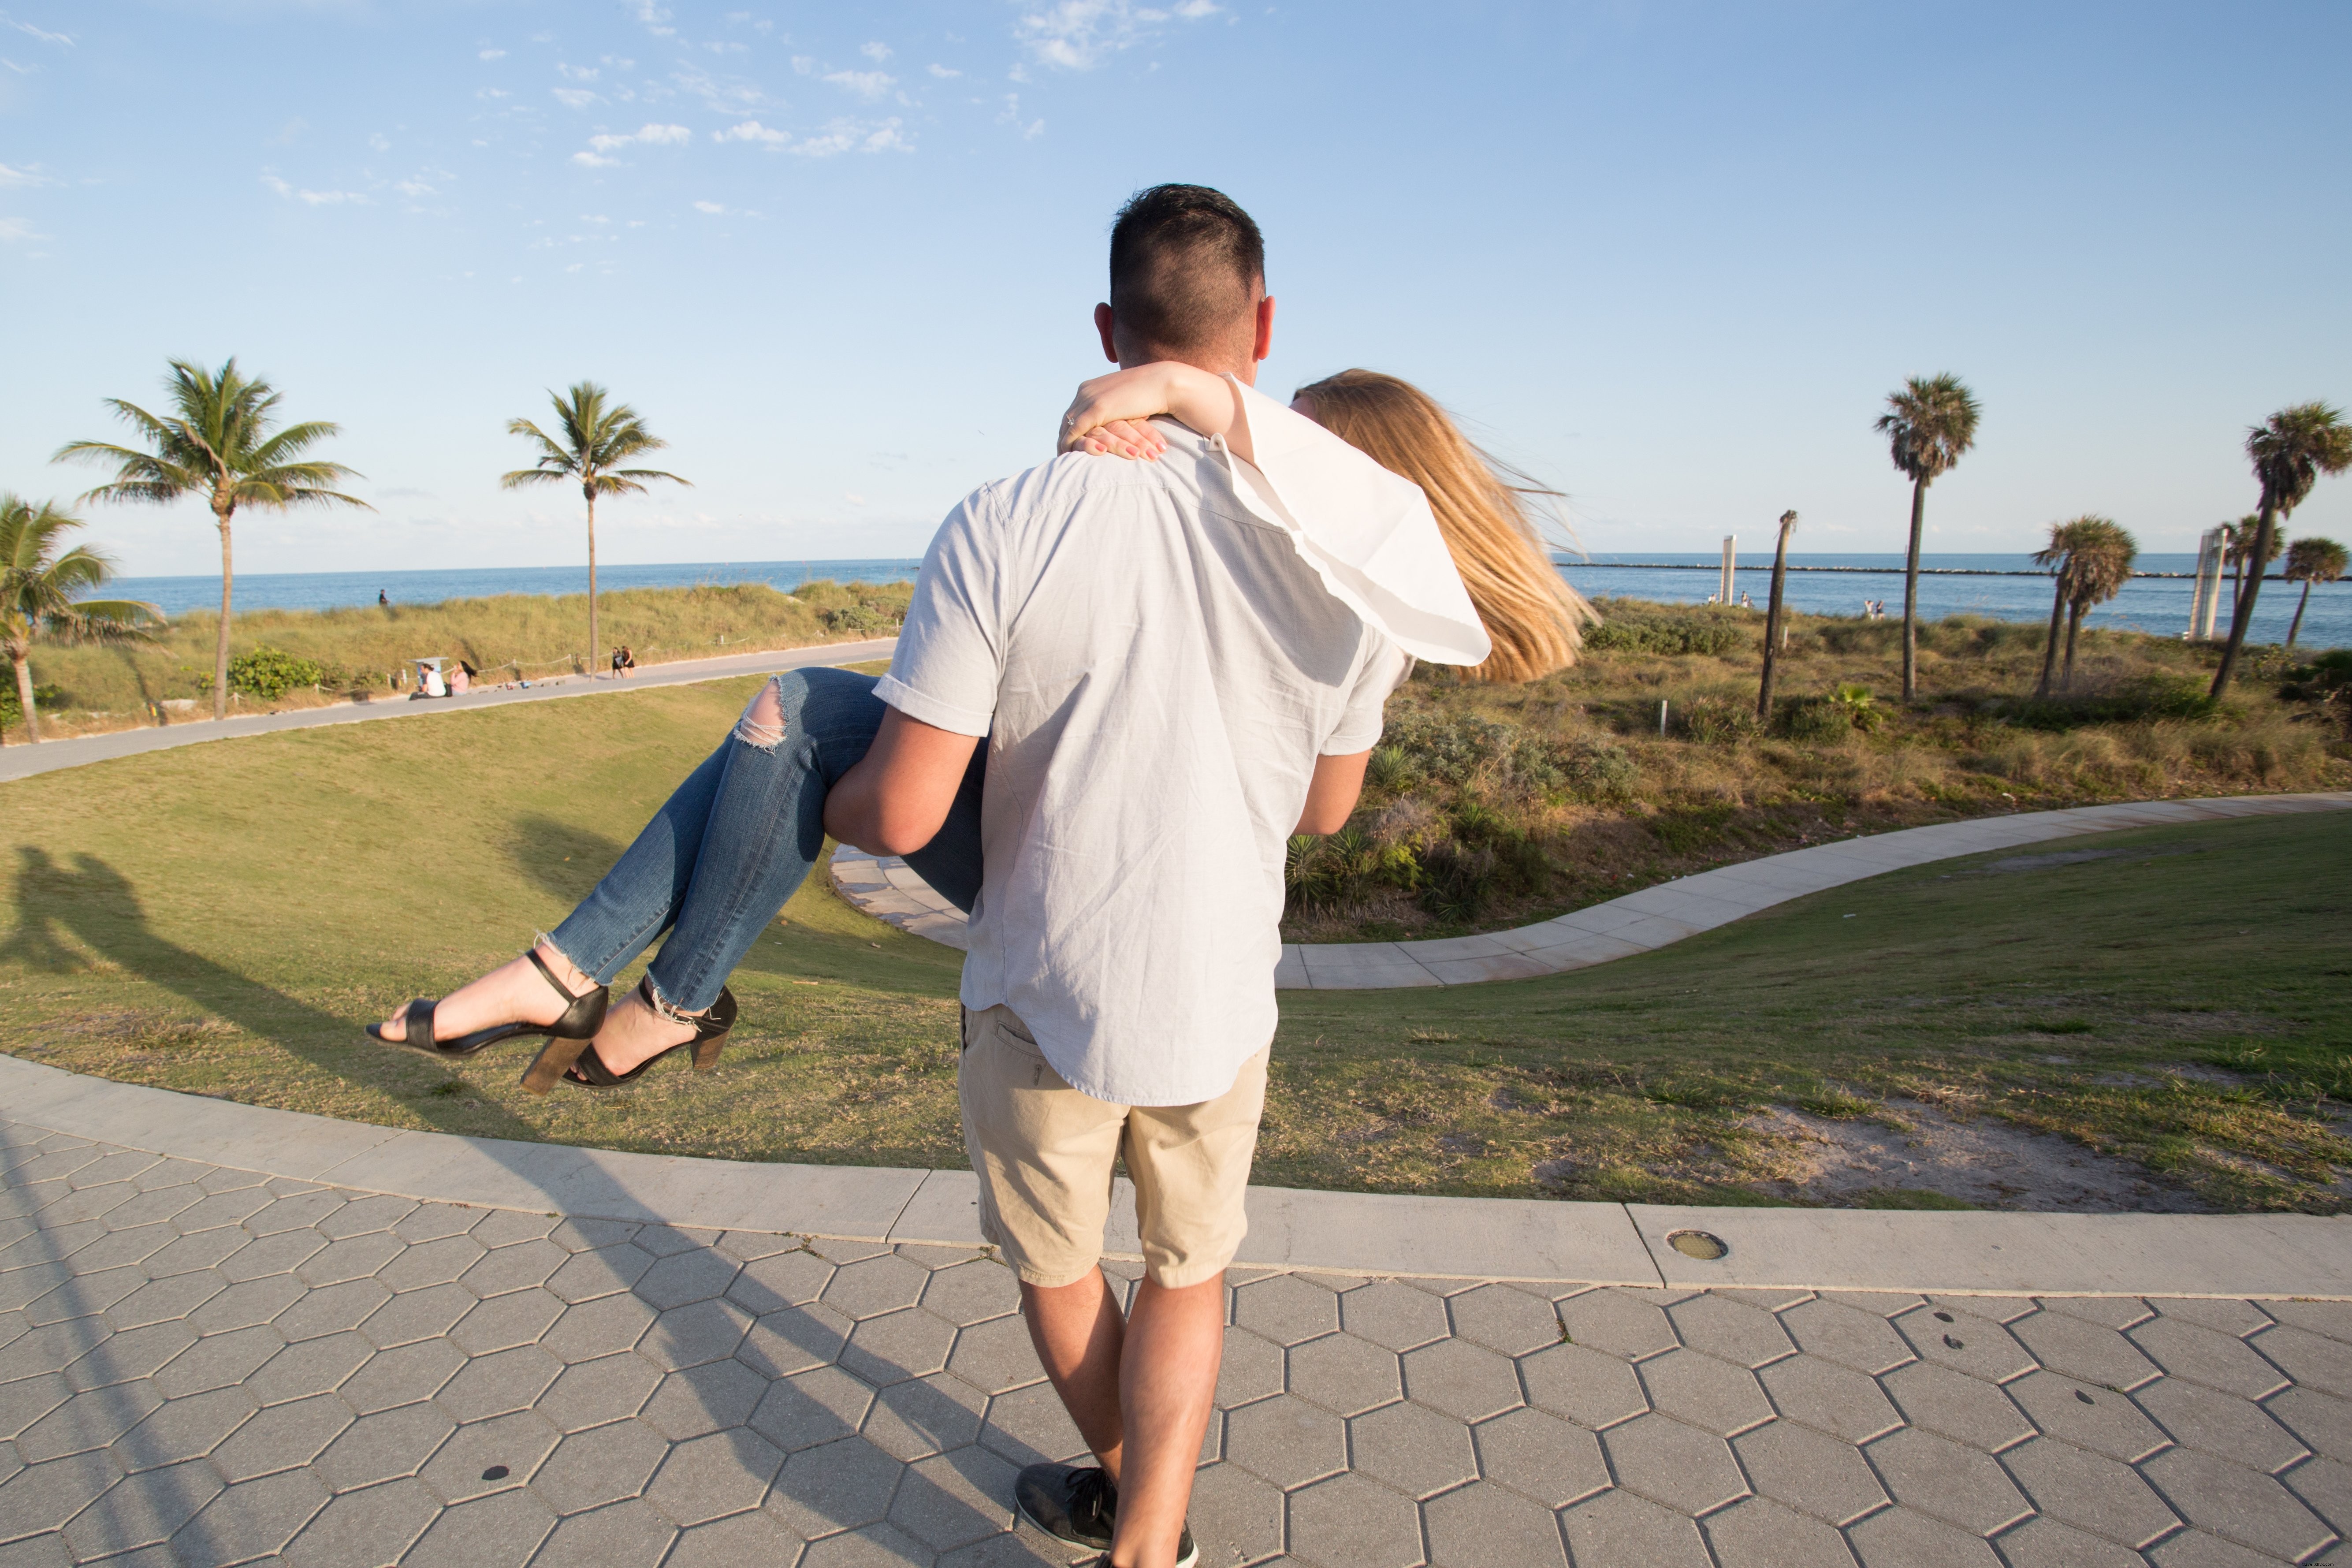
(1189, 1560)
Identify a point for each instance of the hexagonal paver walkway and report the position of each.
(207, 1366)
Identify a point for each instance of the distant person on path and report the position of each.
(623, 662)
(461, 680)
(382, 599)
(1204, 641)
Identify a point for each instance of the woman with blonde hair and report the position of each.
(735, 841)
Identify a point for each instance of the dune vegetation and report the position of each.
(351, 654)
(1491, 805)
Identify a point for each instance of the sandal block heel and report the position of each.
(706, 1053)
(555, 1059)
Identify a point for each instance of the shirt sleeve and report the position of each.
(1359, 724)
(950, 653)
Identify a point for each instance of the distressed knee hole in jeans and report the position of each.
(762, 724)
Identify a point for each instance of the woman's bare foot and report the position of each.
(635, 1033)
(514, 992)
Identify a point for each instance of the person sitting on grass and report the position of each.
(1176, 665)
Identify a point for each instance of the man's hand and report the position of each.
(1330, 796)
(894, 800)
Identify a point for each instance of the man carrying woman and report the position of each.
(1176, 662)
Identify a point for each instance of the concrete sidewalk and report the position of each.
(207, 1357)
(24, 761)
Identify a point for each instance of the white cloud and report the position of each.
(314, 198)
(1012, 116)
(666, 135)
(804, 64)
(656, 19)
(489, 93)
(577, 73)
(28, 176)
(574, 97)
(41, 33)
(493, 54)
(855, 136)
(413, 189)
(865, 84)
(590, 160)
(380, 141)
(13, 229)
(876, 52)
(943, 72)
(605, 142)
(714, 208)
(752, 131)
(1078, 35)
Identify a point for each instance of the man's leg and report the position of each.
(1079, 1332)
(1167, 1385)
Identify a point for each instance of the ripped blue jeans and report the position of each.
(740, 836)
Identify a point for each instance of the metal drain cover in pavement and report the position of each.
(1698, 1243)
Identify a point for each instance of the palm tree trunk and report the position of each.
(1772, 627)
(2300, 606)
(1911, 594)
(220, 647)
(2074, 625)
(2050, 648)
(25, 696)
(594, 645)
(2244, 619)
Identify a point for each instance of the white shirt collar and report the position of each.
(1367, 533)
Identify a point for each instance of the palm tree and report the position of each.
(597, 436)
(38, 586)
(1927, 425)
(1775, 628)
(2310, 561)
(2058, 555)
(218, 444)
(2237, 543)
(2289, 450)
(2099, 567)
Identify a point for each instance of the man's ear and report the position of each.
(1104, 322)
(1264, 329)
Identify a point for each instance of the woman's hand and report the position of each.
(1110, 412)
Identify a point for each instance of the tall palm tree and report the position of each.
(218, 444)
(598, 436)
(2310, 561)
(2289, 450)
(37, 589)
(1927, 425)
(2058, 555)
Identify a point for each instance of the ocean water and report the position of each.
(2005, 587)
(2002, 587)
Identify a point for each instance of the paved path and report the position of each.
(889, 889)
(24, 761)
(203, 1362)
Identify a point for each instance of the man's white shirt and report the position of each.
(1158, 653)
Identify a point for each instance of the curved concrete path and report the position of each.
(888, 889)
(232, 1336)
(25, 761)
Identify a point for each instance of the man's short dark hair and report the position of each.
(1186, 266)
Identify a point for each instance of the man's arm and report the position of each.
(894, 800)
(1330, 796)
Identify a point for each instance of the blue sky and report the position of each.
(1669, 256)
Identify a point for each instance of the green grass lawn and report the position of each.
(222, 919)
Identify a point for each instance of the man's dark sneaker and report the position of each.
(1080, 1506)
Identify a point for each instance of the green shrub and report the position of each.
(1390, 770)
(47, 699)
(867, 619)
(2136, 700)
(1811, 720)
(1343, 869)
(1668, 635)
(1489, 856)
(1451, 748)
(270, 673)
(1717, 720)
(1860, 710)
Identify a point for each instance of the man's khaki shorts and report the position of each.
(1043, 1154)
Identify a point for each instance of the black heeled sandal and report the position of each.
(576, 1062)
(580, 1021)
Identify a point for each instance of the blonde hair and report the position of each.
(1535, 619)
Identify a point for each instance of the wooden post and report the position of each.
(1774, 627)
